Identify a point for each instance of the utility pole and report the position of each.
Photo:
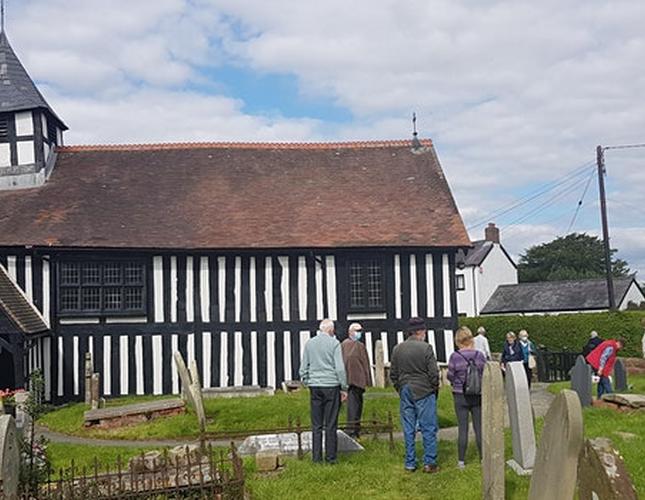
(600, 160)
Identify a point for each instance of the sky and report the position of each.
(514, 94)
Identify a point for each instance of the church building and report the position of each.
(228, 252)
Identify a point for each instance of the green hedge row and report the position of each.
(567, 332)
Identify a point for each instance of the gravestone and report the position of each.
(23, 420)
(581, 380)
(95, 385)
(184, 376)
(602, 473)
(492, 433)
(556, 463)
(520, 414)
(379, 365)
(287, 443)
(89, 369)
(196, 393)
(620, 376)
(9, 457)
(191, 390)
(643, 344)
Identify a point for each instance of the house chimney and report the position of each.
(491, 233)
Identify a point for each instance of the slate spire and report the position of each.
(17, 90)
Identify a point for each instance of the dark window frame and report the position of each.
(365, 260)
(460, 282)
(100, 283)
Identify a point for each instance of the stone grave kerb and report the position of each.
(520, 414)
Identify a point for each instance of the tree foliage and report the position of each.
(575, 256)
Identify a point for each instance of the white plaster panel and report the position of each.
(24, 123)
(26, 152)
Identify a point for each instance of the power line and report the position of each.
(509, 207)
(575, 215)
(625, 146)
(561, 194)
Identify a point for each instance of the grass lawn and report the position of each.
(262, 412)
(604, 422)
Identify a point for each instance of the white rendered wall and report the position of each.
(633, 295)
(24, 123)
(26, 153)
(496, 270)
(466, 297)
(5, 154)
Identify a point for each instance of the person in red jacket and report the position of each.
(602, 360)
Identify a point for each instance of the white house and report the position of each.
(480, 270)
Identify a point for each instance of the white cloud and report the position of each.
(513, 93)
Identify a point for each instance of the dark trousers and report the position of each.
(325, 404)
(529, 373)
(354, 410)
(468, 405)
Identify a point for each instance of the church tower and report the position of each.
(29, 128)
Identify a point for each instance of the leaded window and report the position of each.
(366, 284)
(95, 287)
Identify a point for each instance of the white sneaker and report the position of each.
(461, 465)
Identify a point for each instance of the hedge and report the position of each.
(565, 332)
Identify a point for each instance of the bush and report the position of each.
(565, 332)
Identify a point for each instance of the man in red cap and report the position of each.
(602, 360)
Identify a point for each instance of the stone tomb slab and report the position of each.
(120, 416)
(9, 457)
(602, 473)
(287, 443)
(240, 391)
(627, 400)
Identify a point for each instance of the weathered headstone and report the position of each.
(556, 463)
(643, 344)
(602, 473)
(287, 443)
(581, 380)
(520, 414)
(379, 365)
(620, 376)
(95, 385)
(191, 389)
(23, 421)
(9, 457)
(492, 433)
(89, 370)
(184, 376)
(196, 394)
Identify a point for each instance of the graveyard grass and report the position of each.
(261, 412)
(626, 430)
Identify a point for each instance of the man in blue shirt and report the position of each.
(323, 371)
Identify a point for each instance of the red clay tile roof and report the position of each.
(238, 195)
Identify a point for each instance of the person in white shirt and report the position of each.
(481, 343)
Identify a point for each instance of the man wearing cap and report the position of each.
(359, 375)
(415, 376)
(323, 371)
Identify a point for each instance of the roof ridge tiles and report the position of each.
(243, 145)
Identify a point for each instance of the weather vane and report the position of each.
(1, 15)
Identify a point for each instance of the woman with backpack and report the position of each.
(465, 370)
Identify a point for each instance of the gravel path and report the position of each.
(540, 399)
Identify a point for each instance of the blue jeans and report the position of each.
(424, 413)
(604, 386)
